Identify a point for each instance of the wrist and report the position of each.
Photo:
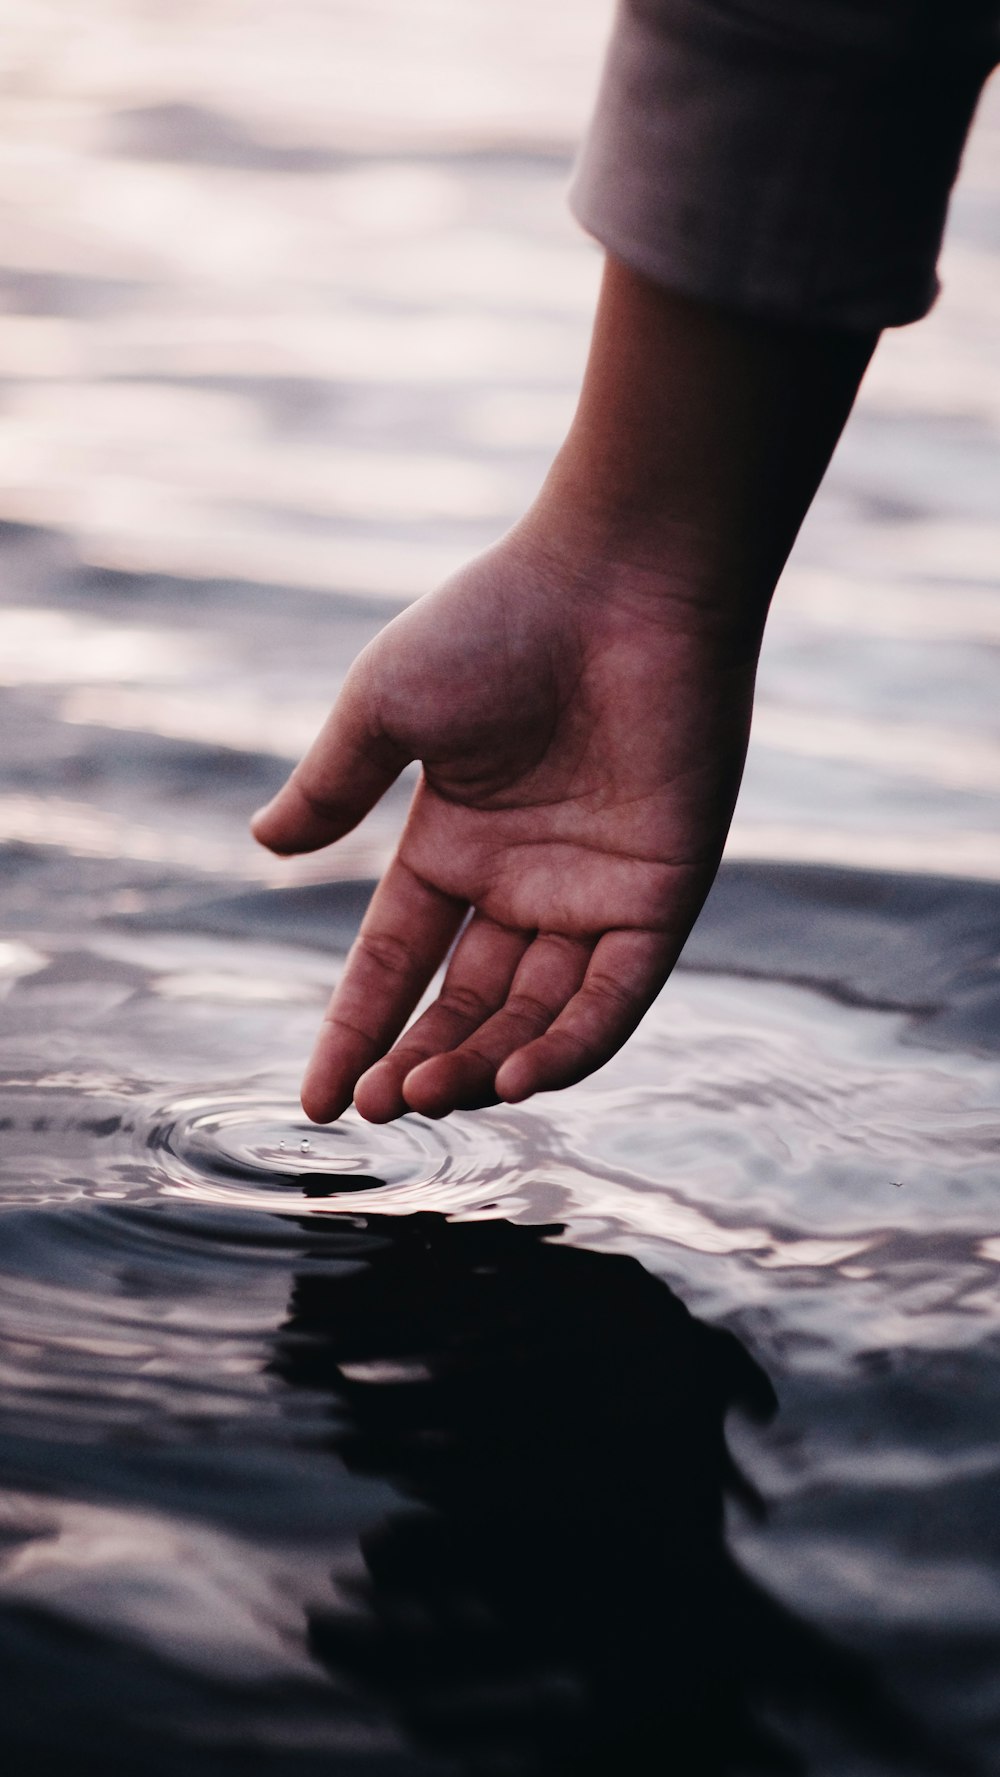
(617, 555)
(698, 443)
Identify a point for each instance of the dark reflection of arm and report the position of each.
(560, 1599)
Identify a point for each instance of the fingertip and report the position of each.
(288, 825)
(316, 1110)
(258, 824)
(270, 828)
(542, 1066)
(320, 1103)
(426, 1091)
(451, 1082)
(514, 1082)
(378, 1099)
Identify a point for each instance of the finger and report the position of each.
(476, 982)
(350, 764)
(626, 973)
(549, 973)
(404, 937)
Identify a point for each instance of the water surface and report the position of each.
(652, 1426)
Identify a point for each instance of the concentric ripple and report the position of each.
(263, 1154)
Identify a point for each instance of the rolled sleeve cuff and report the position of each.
(736, 158)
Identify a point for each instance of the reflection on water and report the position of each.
(556, 1594)
(525, 1507)
(377, 1449)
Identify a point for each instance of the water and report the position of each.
(652, 1426)
(661, 1420)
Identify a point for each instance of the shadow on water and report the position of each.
(558, 1597)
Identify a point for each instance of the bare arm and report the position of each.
(701, 436)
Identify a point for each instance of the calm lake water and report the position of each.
(654, 1426)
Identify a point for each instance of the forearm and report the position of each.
(700, 439)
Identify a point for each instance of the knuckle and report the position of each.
(567, 1046)
(400, 1061)
(560, 1058)
(607, 990)
(465, 1003)
(478, 1060)
(346, 1026)
(574, 1057)
(526, 1008)
(562, 944)
(325, 808)
(388, 954)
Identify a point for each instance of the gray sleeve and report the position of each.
(790, 158)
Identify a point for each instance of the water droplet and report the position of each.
(304, 1145)
(281, 1145)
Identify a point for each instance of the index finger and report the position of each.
(404, 937)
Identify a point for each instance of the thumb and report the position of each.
(350, 764)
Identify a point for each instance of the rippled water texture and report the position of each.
(653, 1427)
(395, 1449)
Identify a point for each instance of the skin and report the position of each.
(579, 698)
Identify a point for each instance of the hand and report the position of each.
(582, 735)
(580, 700)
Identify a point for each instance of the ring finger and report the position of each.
(549, 973)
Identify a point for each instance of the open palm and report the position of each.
(582, 746)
